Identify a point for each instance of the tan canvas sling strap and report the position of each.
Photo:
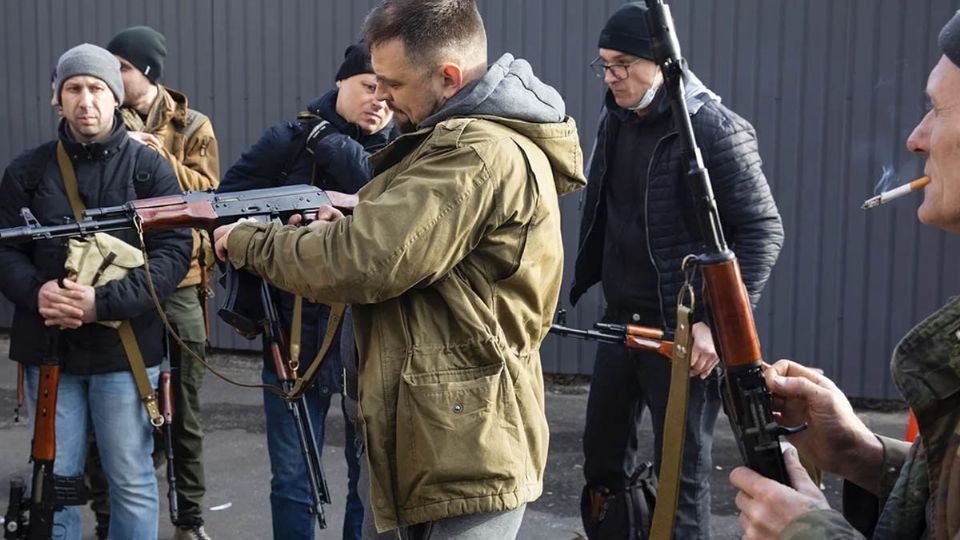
(674, 428)
(296, 323)
(333, 325)
(127, 338)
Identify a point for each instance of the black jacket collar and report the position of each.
(96, 150)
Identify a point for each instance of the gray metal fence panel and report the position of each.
(833, 88)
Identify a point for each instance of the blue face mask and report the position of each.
(646, 100)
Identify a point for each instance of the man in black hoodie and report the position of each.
(55, 317)
(639, 223)
(326, 146)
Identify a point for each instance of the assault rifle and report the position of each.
(631, 336)
(202, 210)
(197, 209)
(31, 518)
(745, 395)
(165, 394)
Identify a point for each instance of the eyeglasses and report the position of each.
(619, 71)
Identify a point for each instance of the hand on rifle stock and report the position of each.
(836, 440)
(767, 506)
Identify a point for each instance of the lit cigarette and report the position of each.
(895, 193)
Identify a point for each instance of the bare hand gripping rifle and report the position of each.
(200, 210)
(745, 394)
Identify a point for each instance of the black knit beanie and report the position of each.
(626, 31)
(950, 39)
(143, 47)
(356, 60)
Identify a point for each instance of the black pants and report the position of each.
(624, 382)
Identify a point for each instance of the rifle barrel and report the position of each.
(27, 233)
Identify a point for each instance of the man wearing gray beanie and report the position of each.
(893, 490)
(95, 160)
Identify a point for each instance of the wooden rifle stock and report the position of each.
(44, 446)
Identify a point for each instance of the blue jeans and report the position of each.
(111, 402)
(624, 382)
(290, 499)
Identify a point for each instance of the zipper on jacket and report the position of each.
(646, 224)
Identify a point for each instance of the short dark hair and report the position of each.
(427, 28)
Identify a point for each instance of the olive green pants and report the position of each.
(185, 314)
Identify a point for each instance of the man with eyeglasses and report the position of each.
(639, 223)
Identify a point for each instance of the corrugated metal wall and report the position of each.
(832, 86)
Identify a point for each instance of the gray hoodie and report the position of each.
(509, 89)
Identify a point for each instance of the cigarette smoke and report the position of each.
(887, 181)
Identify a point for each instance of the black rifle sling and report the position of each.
(127, 337)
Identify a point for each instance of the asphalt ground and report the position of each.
(238, 477)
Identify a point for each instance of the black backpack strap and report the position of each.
(298, 142)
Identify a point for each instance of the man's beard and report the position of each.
(407, 125)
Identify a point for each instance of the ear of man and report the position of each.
(452, 75)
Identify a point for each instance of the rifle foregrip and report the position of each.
(166, 397)
(173, 216)
(731, 316)
(44, 428)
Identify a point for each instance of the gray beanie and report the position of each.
(87, 59)
(950, 39)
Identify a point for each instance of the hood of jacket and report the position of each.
(325, 106)
(511, 95)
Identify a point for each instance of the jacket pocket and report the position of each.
(457, 435)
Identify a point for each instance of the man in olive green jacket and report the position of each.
(159, 117)
(452, 259)
(893, 490)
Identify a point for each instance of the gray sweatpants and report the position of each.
(500, 525)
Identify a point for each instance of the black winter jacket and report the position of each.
(340, 157)
(109, 173)
(751, 222)
(341, 160)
